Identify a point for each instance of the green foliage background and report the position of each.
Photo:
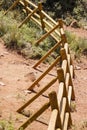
(65, 8)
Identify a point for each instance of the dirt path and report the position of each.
(77, 31)
(80, 84)
(15, 78)
(16, 75)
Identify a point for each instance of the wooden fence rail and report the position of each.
(28, 17)
(53, 120)
(47, 54)
(38, 94)
(34, 116)
(11, 7)
(45, 73)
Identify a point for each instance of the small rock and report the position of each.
(74, 24)
(2, 84)
(1, 55)
(18, 79)
(27, 92)
(6, 53)
(77, 67)
(31, 76)
(26, 113)
(13, 62)
(19, 120)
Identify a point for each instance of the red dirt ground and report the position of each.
(77, 31)
(16, 76)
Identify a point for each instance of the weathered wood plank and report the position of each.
(62, 115)
(53, 120)
(60, 94)
(64, 67)
(53, 36)
(65, 127)
(54, 105)
(31, 3)
(28, 17)
(46, 34)
(29, 9)
(67, 78)
(51, 26)
(46, 72)
(34, 116)
(37, 95)
(72, 71)
(69, 94)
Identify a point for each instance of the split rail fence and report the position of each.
(60, 102)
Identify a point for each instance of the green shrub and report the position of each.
(6, 3)
(6, 125)
(23, 39)
(76, 44)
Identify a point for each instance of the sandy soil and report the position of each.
(82, 33)
(17, 74)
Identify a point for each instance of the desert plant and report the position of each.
(77, 44)
(6, 125)
(73, 106)
(23, 39)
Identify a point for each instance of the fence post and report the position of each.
(66, 46)
(54, 105)
(26, 4)
(61, 78)
(61, 25)
(64, 56)
(41, 15)
(63, 37)
(64, 40)
(60, 73)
